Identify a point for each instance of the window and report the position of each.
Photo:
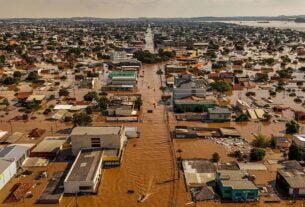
(227, 191)
(95, 142)
(85, 187)
(238, 194)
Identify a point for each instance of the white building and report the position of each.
(186, 86)
(98, 137)
(299, 139)
(17, 153)
(85, 174)
(7, 171)
(119, 56)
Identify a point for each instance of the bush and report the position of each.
(257, 154)
(296, 152)
(221, 86)
(215, 157)
(250, 93)
(63, 92)
(292, 127)
(90, 96)
(81, 119)
(261, 141)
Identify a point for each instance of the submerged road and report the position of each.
(149, 164)
(149, 41)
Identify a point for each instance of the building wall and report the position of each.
(71, 187)
(124, 82)
(298, 141)
(180, 93)
(109, 141)
(7, 174)
(220, 116)
(193, 107)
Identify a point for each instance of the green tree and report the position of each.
(221, 86)
(17, 74)
(292, 127)
(261, 141)
(32, 76)
(63, 92)
(257, 154)
(5, 102)
(296, 152)
(103, 103)
(82, 119)
(90, 96)
(138, 103)
(215, 157)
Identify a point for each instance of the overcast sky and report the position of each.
(149, 8)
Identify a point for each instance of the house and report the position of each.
(198, 172)
(242, 105)
(123, 105)
(290, 180)
(85, 173)
(12, 138)
(32, 98)
(299, 115)
(113, 138)
(281, 142)
(174, 68)
(235, 185)
(187, 86)
(7, 170)
(16, 153)
(191, 105)
(299, 139)
(123, 78)
(219, 114)
(49, 147)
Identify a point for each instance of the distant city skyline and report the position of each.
(148, 8)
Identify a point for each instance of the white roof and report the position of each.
(63, 106)
(301, 137)
(3, 133)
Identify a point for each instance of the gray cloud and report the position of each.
(149, 8)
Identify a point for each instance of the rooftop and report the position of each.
(85, 166)
(236, 179)
(50, 144)
(13, 151)
(96, 130)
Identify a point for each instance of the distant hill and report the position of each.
(300, 20)
(296, 18)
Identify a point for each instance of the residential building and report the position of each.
(16, 153)
(7, 170)
(219, 114)
(187, 85)
(299, 139)
(235, 185)
(49, 147)
(290, 180)
(281, 142)
(123, 78)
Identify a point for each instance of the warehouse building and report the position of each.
(105, 138)
(49, 147)
(85, 174)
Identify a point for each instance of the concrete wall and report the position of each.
(186, 92)
(7, 174)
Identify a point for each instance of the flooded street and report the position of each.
(149, 41)
(148, 163)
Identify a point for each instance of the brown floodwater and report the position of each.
(148, 165)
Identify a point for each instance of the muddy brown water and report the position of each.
(148, 165)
